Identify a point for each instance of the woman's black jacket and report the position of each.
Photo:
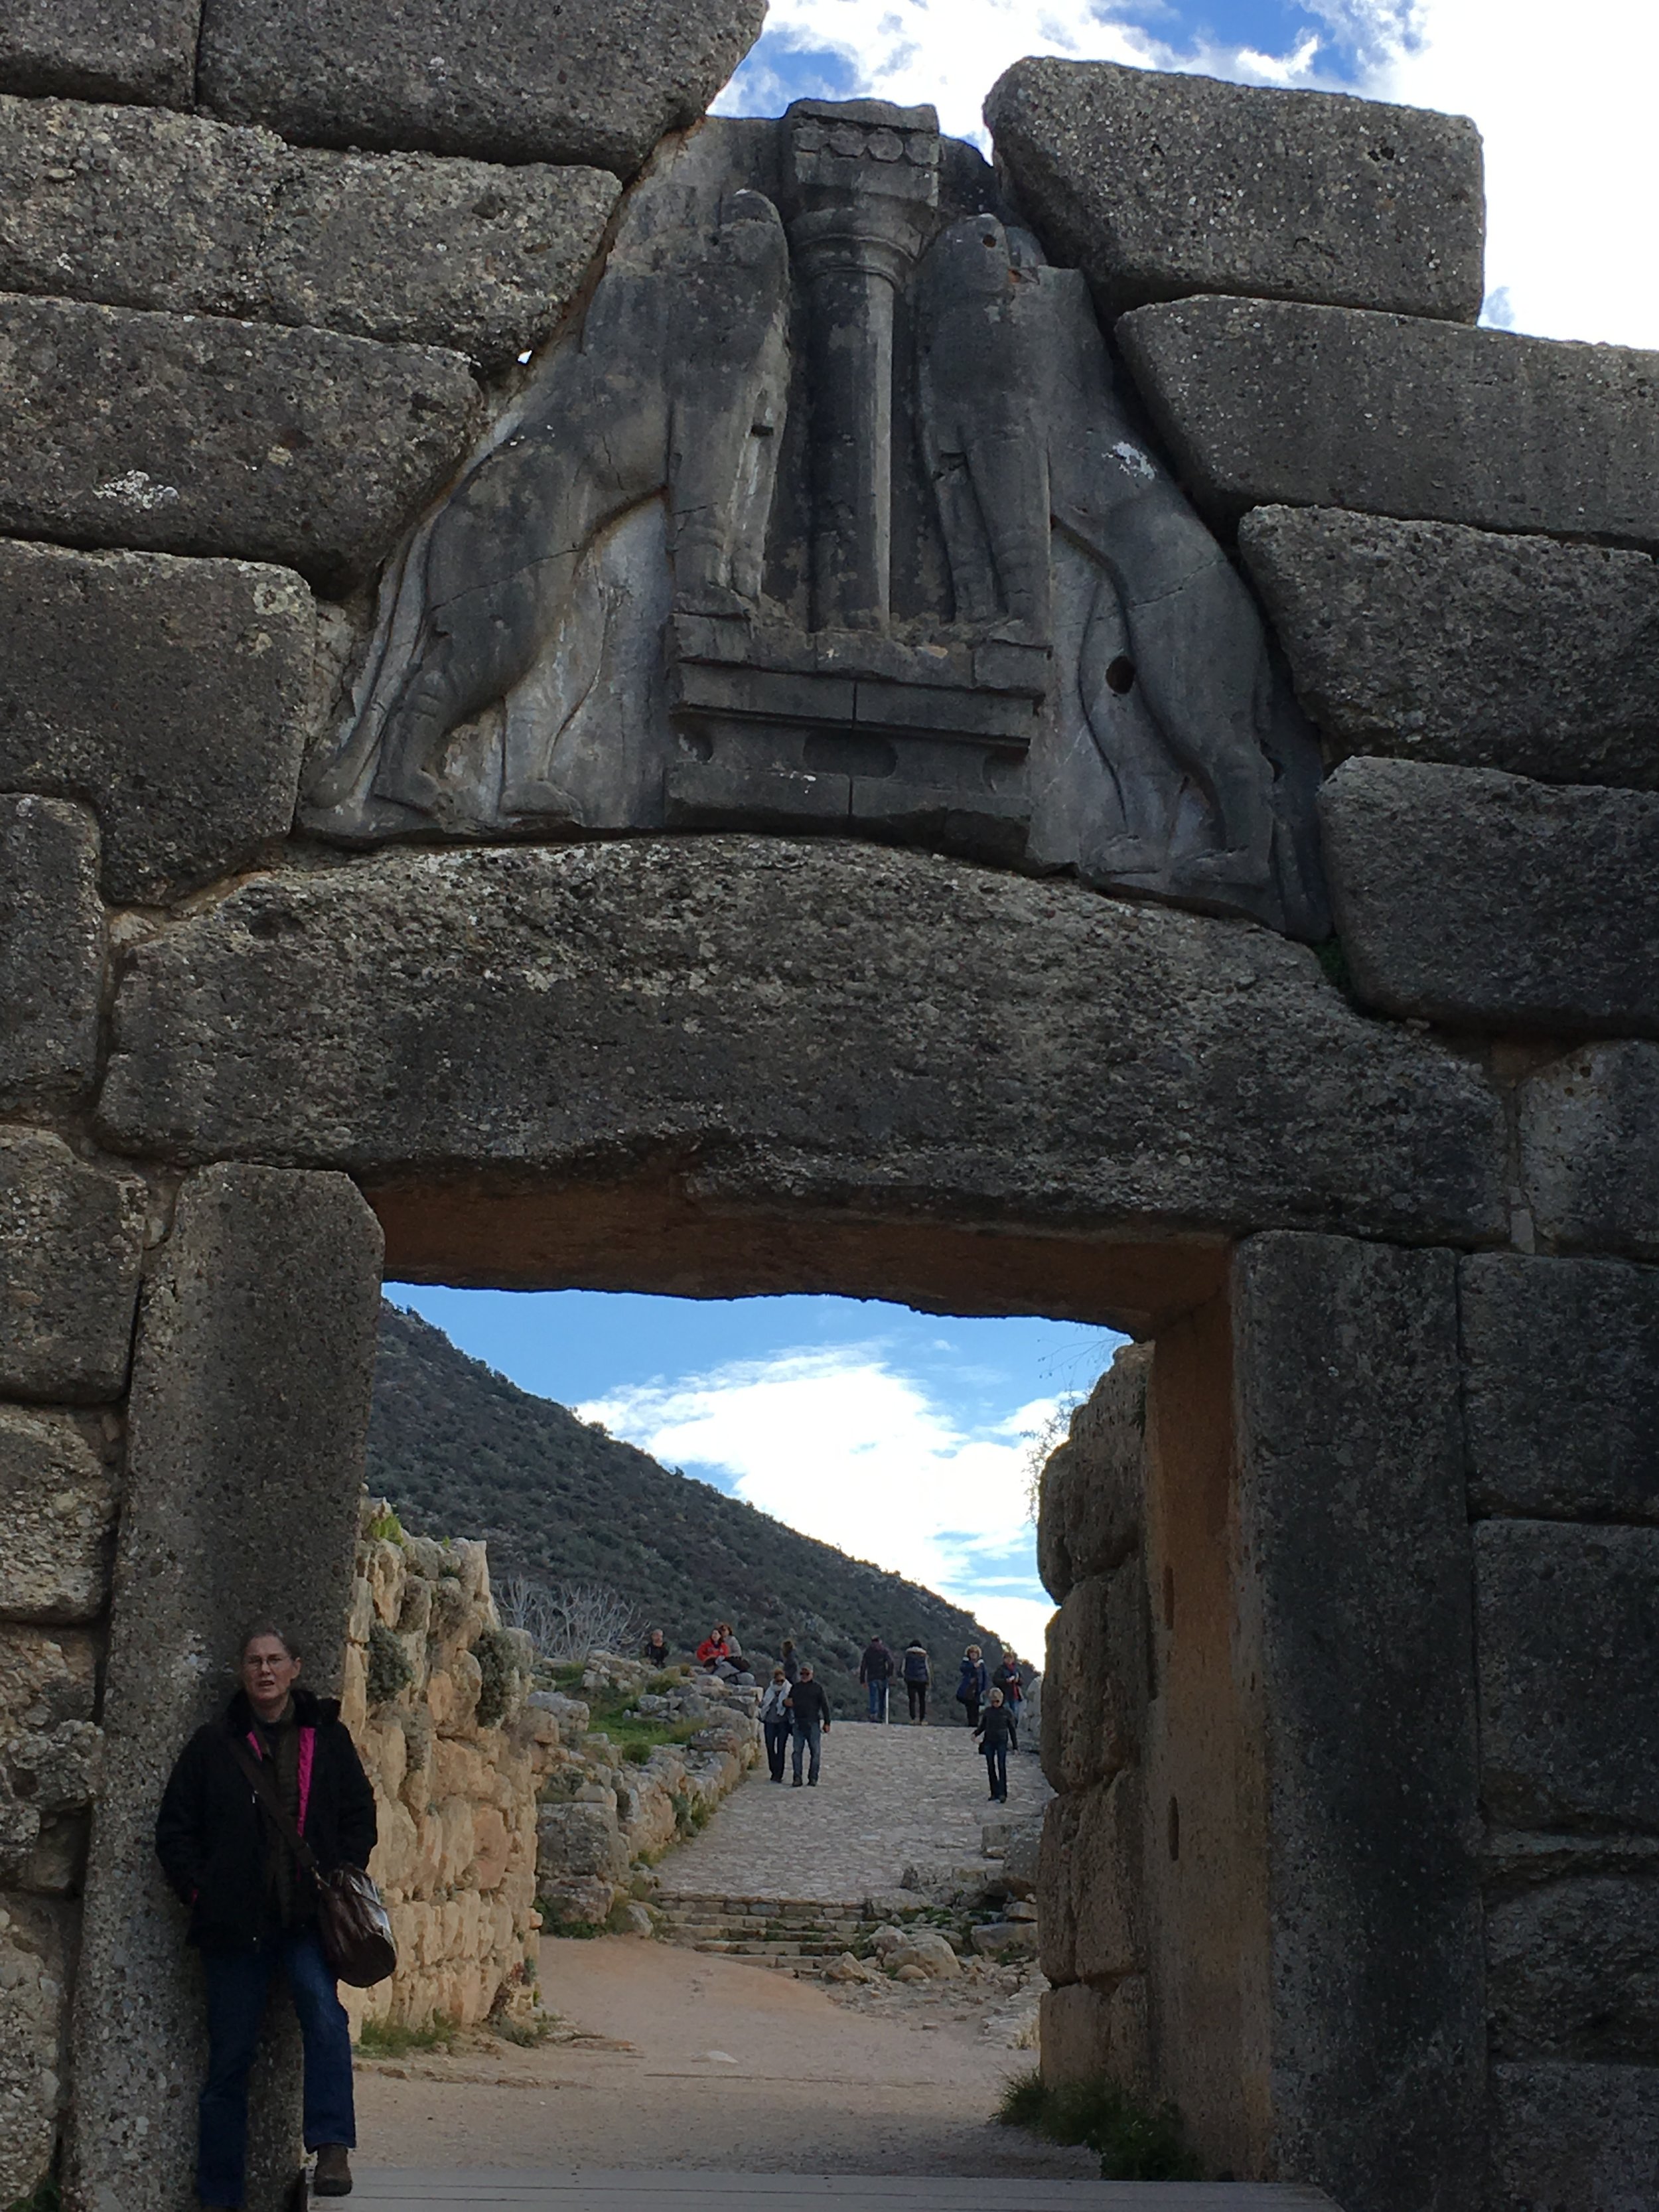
(211, 1831)
(996, 1728)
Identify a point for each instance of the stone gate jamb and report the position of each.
(250, 1409)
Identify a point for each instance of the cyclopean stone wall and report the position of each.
(1387, 1205)
(435, 1693)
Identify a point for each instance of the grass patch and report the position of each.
(1134, 2143)
(388, 2038)
(635, 1734)
(45, 2197)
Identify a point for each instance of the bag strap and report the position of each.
(266, 1790)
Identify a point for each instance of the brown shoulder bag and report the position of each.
(352, 1922)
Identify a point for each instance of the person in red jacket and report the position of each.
(713, 1648)
(253, 1909)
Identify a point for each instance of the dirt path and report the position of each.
(887, 1798)
(702, 2061)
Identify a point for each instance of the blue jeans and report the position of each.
(878, 1691)
(996, 1769)
(808, 1738)
(237, 1982)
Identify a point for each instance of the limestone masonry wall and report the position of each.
(1356, 1854)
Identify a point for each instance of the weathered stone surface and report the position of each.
(70, 1239)
(1486, 901)
(1569, 1654)
(1093, 1486)
(1094, 1684)
(1589, 1151)
(1261, 402)
(1586, 2137)
(1158, 185)
(37, 1965)
(1088, 2034)
(823, 1020)
(303, 448)
(250, 1407)
(1358, 1627)
(578, 1839)
(144, 50)
(49, 1747)
(168, 696)
(461, 76)
(1572, 1972)
(142, 208)
(52, 951)
(1106, 1884)
(1428, 641)
(58, 1499)
(1561, 1387)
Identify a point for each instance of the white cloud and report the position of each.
(1563, 96)
(840, 1445)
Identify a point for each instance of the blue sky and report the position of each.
(900, 1437)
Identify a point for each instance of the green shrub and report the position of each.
(387, 2039)
(389, 1670)
(494, 1653)
(386, 1527)
(1135, 2143)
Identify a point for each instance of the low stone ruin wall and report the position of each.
(606, 1818)
(435, 1695)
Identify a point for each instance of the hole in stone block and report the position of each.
(1121, 675)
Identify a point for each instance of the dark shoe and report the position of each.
(333, 2174)
(811, 1781)
(798, 1782)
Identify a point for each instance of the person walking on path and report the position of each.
(995, 1732)
(1007, 1678)
(808, 1710)
(918, 1674)
(876, 1672)
(972, 1684)
(791, 1663)
(774, 1721)
(253, 1908)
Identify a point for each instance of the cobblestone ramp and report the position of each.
(486, 2192)
(887, 1798)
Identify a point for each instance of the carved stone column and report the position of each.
(861, 180)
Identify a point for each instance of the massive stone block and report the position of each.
(49, 1745)
(57, 1498)
(1561, 1387)
(1094, 1486)
(1573, 1971)
(1159, 185)
(250, 1408)
(1356, 1624)
(1261, 402)
(467, 76)
(1573, 2135)
(37, 1964)
(1569, 1654)
(206, 435)
(142, 208)
(1094, 1686)
(70, 1240)
(1486, 901)
(144, 50)
(1589, 1150)
(850, 1025)
(52, 951)
(1428, 641)
(168, 696)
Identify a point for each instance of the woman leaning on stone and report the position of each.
(252, 1909)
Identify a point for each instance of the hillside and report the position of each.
(463, 1452)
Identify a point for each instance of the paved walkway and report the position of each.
(888, 1797)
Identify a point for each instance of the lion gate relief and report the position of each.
(831, 516)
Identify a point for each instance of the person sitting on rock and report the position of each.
(253, 1909)
(809, 1711)
(656, 1654)
(713, 1648)
(995, 1732)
